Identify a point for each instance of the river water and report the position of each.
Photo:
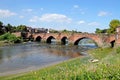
(33, 55)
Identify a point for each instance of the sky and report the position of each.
(79, 15)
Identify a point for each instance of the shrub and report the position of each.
(10, 37)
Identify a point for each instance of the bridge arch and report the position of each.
(49, 39)
(112, 43)
(64, 40)
(79, 39)
(38, 39)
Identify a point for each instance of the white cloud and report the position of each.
(77, 9)
(6, 13)
(103, 13)
(94, 24)
(35, 19)
(21, 17)
(55, 18)
(29, 10)
(81, 22)
(76, 6)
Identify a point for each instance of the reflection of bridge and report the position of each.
(100, 40)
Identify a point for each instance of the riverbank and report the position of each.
(28, 69)
(107, 67)
(5, 43)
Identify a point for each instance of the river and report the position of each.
(30, 56)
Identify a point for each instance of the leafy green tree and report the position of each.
(66, 31)
(8, 28)
(1, 23)
(98, 31)
(104, 30)
(113, 25)
(1, 28)
(14, 29)
(21, 28)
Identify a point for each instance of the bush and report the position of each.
(10, 37)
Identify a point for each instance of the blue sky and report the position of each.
(80, 15)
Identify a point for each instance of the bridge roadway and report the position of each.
(73, 38)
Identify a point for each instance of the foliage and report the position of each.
(10, 37)
(65, 31)
(68, 31)
(1, 28)
(108, 68)
(113, 25)
(98, 31)
(1, 23)
(8, 28)
(54, 31)
(100, 52)
(22, 28)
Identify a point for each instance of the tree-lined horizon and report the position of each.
(9, 28)
(112, 27)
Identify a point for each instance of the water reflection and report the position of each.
(35, 54)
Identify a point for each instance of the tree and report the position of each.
(22, 28)
(14, 29)
(98, 31)
(1, 28)
(1, 24)
(113, 25)
(8, 28)
(66, 31)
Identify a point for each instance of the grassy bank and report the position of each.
(81, 68)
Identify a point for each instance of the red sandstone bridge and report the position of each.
(73, 38)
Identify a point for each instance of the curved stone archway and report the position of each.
(112, 43)
(49, 39)
(64, 40)
(78, 40)
(38, 39)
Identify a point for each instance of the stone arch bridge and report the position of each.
(73, 38)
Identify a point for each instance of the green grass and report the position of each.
(100, 53)
(81, 68)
